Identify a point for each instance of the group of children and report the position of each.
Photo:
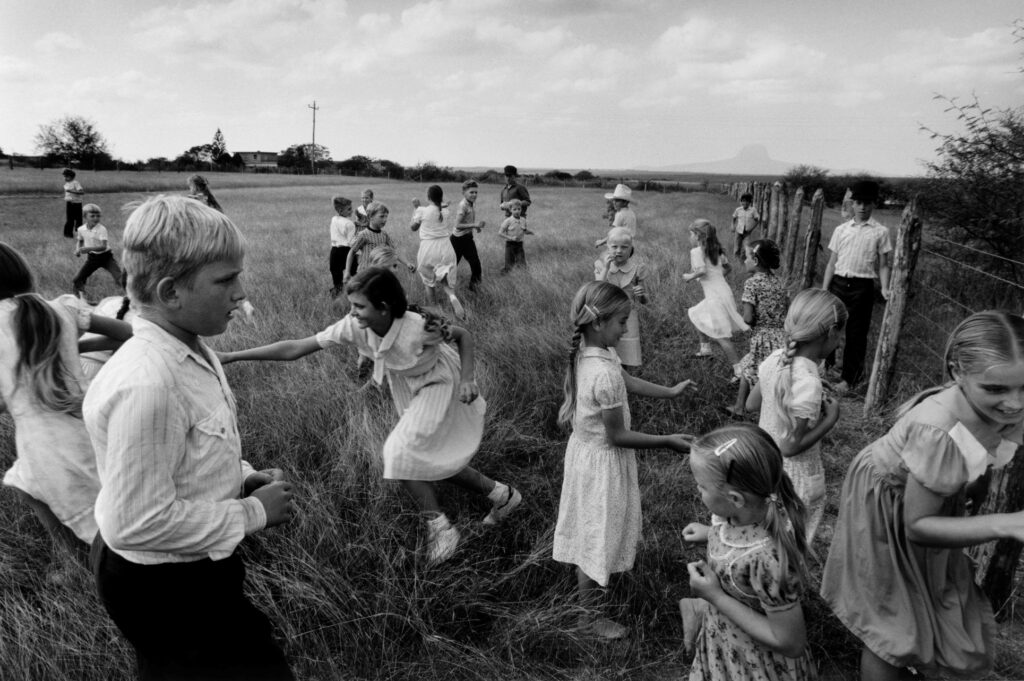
(158, 454)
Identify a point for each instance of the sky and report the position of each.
(566, 84)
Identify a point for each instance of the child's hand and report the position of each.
(527, 231)
(680, 389)
(695, 533)
(703, 581)
(600, 242)
(680, 442)
(830, 406)
(276, 498)
(248, 312)
(225, 357)
(261, 478)
(639, 291)
(480, 226)
(415, 203)
(468, 391)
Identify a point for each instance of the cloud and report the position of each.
(56, 42)
(978, 60)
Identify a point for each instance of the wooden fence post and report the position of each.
(793, 233)
(780, 236)
(908, 245)
(997, 561)
(773, 215)
(813, 240)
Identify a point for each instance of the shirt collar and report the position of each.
(624, 269)
(603, 353)
(153, 333)
(975, 436)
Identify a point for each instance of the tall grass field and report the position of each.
(344, 582)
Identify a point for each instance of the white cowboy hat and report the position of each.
(621, 192)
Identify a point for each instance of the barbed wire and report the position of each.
(934, 325)
(921, 371)
(971, 267)
(976, 250)
(944, 295)
(923, 343)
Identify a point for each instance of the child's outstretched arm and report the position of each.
(926, 524)
(804, 436)
(639, 386)
(281, 351)
(754, 398)
(463, 339)
(782, 631)
(620, 436)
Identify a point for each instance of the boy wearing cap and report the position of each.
(513, 190)
(859, 247)
(744, 221)
(624, 216)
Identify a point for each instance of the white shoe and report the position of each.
(604, 628)
(457, 308)
(442, 540)
(501, 509)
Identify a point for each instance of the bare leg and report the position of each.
(874, 668)
(590, 592)
(740, 406)
(729, 349)
(457, 308)
(472, 480)
(423, 495)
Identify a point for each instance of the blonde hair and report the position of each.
(813, 313)
(37, 332)
(595, 301)
(620, 233)
(383, 256)
(707, 236)
(90, 208)
(746, 458)
(978, 343)
(376, 207)
(173, 236)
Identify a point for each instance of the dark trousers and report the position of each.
(738, 251)
(465, 247)
(188, 620)
(98, 261)
(858, 295)
(73, 220)
(338, 256)
(515, 256)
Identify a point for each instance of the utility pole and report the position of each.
(312, 151)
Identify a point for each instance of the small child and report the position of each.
(794, 408)
(94, 242)
(199, 189)
(897, 575)
(362, 217)
(41, 387)
(371, 237)
(73, 194)
(764, 304)
(176, 498)
(441, 416)
(512, 230)
(747, 624)
(715, 316)
(598, 526)
(857, 247)
(744, 221)
(619, 267)
(462, 238)
(343, 232)
(436, 261)
(623, 216)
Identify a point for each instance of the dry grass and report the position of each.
(342, 582)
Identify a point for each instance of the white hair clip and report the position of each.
(724, 447)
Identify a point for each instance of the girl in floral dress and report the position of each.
(764, 305)
(748, 624)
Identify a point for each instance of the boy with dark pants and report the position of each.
(73, 194)
(94, 242)
(462, 239)
(744, 222)
(175, 496)
(858, 247)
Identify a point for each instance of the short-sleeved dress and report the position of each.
(746, 562)
(771, 302)
(915, 605)
(436, 259)
(806, 468)
(716, 315)
(437, 434)
(626, 277)
(599, 516)
(56, 464)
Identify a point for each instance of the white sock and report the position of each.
(499, 493)
(439, 524)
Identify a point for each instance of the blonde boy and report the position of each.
(175, 497)
(512, 230)
(95, 243)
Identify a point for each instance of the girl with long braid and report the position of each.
(599, 516)
(747, 623)
(794, 408)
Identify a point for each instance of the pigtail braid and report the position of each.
(37, 331)
(784, 520)
(568, 408)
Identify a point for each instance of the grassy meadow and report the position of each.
(342, 582)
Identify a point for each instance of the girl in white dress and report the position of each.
(621, 267)
(794, 408)
(436, 261)
(441, 414)
(41, 386)
(598, 526)
(715, 317)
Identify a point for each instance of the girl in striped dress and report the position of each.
(441, 413)
(371, 237)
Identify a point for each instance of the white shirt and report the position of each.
(94, 238)
(163, 425)
(343, 231)
(859, 247)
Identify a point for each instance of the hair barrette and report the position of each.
(724, 447)
(591, 310)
